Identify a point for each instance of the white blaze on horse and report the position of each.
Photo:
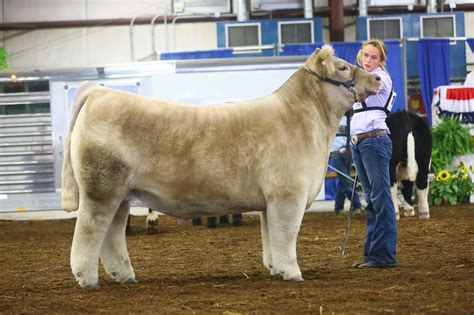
(269, 154)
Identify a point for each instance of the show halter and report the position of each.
(349, 84)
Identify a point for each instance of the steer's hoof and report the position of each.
(88, 285)
(152, 230)
(125, 277)
(152, 227)
(424, 215)
(296, 277)
(268, 265)
(86, 281)
(409, 212)
(129, 281)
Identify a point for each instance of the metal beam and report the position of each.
(336, 21)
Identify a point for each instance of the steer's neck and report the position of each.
(307, 97)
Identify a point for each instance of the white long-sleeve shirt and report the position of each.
(373, 119)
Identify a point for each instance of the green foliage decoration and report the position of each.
(453, 187)
(3, 59)
(450, 138)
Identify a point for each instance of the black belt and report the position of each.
(357, 138)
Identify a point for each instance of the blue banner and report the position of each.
(299, 49)
(470, 41)
(344, 50)
(433, 67)
(347, 50)
(197, 54)
(395, 69)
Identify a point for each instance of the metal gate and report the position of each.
(26, 152)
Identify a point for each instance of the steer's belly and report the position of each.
(188, 208)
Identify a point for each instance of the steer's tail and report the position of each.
(70, 191)
(412, 166)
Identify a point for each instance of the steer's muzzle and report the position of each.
(368, 84)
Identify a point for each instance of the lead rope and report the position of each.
(343, 245)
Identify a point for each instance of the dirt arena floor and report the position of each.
(186, 270)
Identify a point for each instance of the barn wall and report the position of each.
(60, 10)
(78, 47)
(469, 29)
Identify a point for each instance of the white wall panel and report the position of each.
(107, 45)
(77, 47)
(194, 36)
(106, 9)
(1, 12)
(256, 5)
(469, 24)
(48, 49)
(59, 10)
(43, 10)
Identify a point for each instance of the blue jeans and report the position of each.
(371, 158)
(344, 187)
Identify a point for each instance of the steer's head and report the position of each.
(333, 71)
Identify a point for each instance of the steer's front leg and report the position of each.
(284, 220)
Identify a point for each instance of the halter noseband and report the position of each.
(349, 84)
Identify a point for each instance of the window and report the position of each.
(438, 26)
(390, 28)
(241, 35)
(295, 32)
(24, 86)
(27, 108)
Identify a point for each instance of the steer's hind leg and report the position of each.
(284, 220)
(152, 222)
(92, 224)
(422, 186)
(267, 253)
(114, 254)
(407, 191)
(423, 207)
(394, 191)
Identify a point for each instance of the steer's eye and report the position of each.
(343, 68)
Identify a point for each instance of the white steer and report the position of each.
(269, 154)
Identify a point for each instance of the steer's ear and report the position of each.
(324, 61)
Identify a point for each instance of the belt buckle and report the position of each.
(354, 139)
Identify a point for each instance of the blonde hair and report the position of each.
(380, 46)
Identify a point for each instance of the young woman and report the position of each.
(372, 150)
